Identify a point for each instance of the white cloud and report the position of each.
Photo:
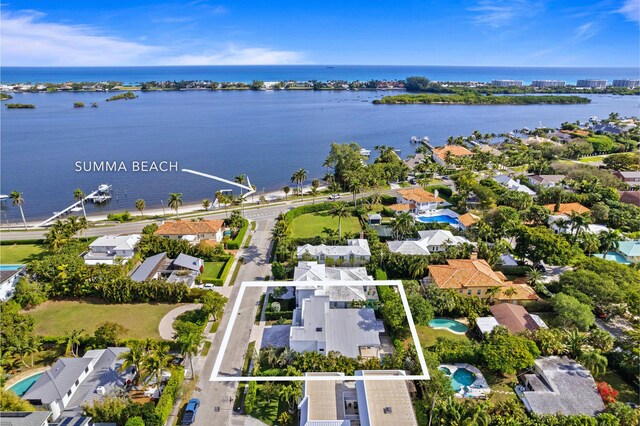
(499, 13)
(585, 31)
(28, 40)
(631, 9)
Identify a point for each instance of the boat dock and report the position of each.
(100, 195)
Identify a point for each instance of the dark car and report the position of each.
(190, 412)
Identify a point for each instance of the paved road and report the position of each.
(165, 328)
(216, 398)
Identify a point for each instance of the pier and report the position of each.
(100, 195)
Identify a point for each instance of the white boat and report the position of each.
(414, 139)
(425, 139)
(3, 197)
(104, 188)
(76, 209)
(365, 152)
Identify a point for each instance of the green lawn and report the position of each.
(56, 318)
(627, 392)
(20, 253)
(267, 411)
(212, 270)
(311, 225)
(428, 335)
(594, 159)
(501, 386)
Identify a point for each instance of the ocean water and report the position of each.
(265, 135)
(305, 73)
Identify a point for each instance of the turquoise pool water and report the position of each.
(451, 325)
(10, 267)
(439, 218)
(462, 377)
(23, 386)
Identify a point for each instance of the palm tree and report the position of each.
(533, 276)
(589, 243)
(298, 178)
(189, 343)
(78, 195)
(286, 191)
(314, 192)
(73, 341)
(31, 346)
(594, 361)
(175, 201)
(579, 222)
(140, 205)
(419, 266)
(134, 357)
(509, 292)
(156, 361)
(206, 204)
(290, 394)
(340, 211)
(402, 225)
(17, 200)
(610, 240)
(574, 341)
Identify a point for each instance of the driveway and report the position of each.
(166, 323)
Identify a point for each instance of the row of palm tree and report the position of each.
(148, 359)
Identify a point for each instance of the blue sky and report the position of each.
(472, 32)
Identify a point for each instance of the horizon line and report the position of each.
(314, 65)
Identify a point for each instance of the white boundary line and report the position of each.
(236, 308)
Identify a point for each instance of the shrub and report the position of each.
(135, 421)
(168, 397)
(607, 392)
(274, 316)
(380, 275)
(120, 217)
(443, 190)
(250, 399)
(235, 243)
(275, 307)
(309, 208)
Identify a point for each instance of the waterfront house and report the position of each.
(440, 154)
(474, 277)
(183, 269)
(9, 277)
(71, 382)
(432, 241)
(106, 249)
(413, 161)
(192, 231)
(362, 402)
(317, 327)
(630, 178)
(416, 200)
(356, 252)
(546, 181)
(559, 385)
(628, 252)
(513, 185)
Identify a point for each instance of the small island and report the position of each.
(472, 98)
(126, 95)
(78, 104)
(21, 106)
(5, 96)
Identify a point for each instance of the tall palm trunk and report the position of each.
(23, 219)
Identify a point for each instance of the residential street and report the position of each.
(216, 398)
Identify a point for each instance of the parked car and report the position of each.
(190, 412)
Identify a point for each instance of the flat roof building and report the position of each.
(629, 84)
(507, 83)
(592, 83)
(547, 83)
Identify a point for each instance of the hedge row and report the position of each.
(274, 316)
(235, 243)
(20, 242)
(168, 398)
(223, 274)
(309, 208)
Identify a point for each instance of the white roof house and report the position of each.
(340, 296)
(319, 328)
(356, 250)
(431, 241)
(560, 385)
(513, 185)
(560, 225)
(106, 249)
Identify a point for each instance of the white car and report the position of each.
(334, 196)
(208, 285)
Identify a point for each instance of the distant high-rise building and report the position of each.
(507, 83)
(594, 84)
(547, 83)
(629, 84)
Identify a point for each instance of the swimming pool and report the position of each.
(462, 377)
(448, 324)
(23, 386)
(10, 267)
(443, 218)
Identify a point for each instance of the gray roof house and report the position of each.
(72, 381)
(355, 252)
(149, 268)
(560, 385)
(183, 269)
(546, 181)
(25, 418)
(319, 328)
